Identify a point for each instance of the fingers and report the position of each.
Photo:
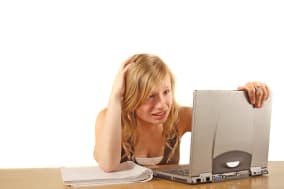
(267, 92)
(250, 92)
(257, 92)
(123, 64)
(119, 82)
(126, 63)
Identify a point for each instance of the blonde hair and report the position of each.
(147, 72)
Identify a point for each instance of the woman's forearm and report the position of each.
(110, 139)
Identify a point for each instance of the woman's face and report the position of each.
(156, 108)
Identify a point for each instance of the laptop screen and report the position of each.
(228, 133)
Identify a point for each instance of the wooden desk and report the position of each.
(50, 178)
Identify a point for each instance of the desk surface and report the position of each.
(50, 178)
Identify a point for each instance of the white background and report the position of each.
(58, 60)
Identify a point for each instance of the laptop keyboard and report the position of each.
(183, 171)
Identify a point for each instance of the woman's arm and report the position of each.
(107, 150)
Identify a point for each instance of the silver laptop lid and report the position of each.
(228, 133)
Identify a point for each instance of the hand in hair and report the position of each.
(119, 82)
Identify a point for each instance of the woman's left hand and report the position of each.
(257, 92)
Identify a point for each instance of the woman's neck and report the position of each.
(149, 130)
(143, 126)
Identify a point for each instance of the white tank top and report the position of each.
(149, 160)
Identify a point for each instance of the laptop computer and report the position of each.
(229, 139)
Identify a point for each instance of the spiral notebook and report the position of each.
(129, 172)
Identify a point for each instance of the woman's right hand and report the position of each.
(119, 82)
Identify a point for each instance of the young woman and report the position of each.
(142, 121)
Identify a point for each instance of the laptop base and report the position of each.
(181, 174)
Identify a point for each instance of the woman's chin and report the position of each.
(159, 120)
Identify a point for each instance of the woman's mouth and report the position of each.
(159, 115)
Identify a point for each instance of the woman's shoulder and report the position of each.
(185, 117)
(185, 109)
(185, 113)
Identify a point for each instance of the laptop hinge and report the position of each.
(254, 171)
(202, 178)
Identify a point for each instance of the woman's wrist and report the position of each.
(115, 99)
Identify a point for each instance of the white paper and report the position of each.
(128, 172)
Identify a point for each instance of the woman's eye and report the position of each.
(151, 96)
(166, 91)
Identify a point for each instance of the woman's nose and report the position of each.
(160, 101)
